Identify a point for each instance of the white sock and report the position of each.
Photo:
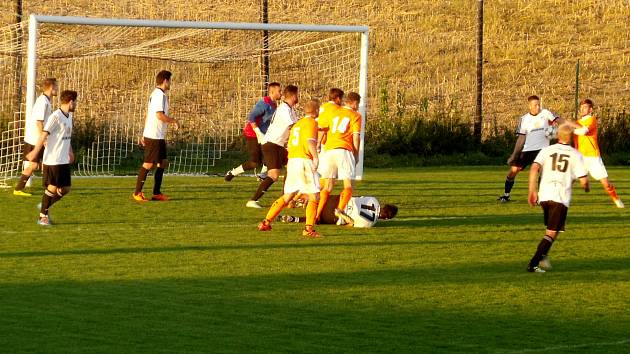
(237, 170)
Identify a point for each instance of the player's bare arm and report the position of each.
(532, 197)
(166, 119)
(584, 183)
(518, 148)
(31, 156)
(356, 142)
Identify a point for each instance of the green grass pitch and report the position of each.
(194, 275)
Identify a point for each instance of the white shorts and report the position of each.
(300, 177)
(337, 163)
(595, 167)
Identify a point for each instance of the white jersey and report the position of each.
(363, 210)
(281, 123)
(153, 127)
(59, 128)
(534, 127)
(561, 165)
(41, 110)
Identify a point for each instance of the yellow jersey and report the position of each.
(340, 128)
(301, 133)
(587, 143)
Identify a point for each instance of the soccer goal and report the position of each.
(219, 71)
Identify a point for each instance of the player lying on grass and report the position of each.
(532, 137)
(359, 212)
(586, 143)
(301, 170)
(560, 165)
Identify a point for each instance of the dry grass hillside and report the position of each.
(422, 52)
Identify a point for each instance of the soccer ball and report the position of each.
(551, 132)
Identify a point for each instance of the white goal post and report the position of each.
(36, 21)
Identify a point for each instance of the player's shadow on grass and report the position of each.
(476, 307)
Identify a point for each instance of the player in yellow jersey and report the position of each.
(342, 135)
(586, 142)
(301, 170)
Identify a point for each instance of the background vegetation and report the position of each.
(422, 56)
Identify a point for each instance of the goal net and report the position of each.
(219, 72)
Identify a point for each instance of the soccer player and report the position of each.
(301, 171)
(327, 111)
(42, 109)
(342, 136)
(258, 121)
(531, 139)
(585, 138)
(58, 154)
(274, 142)
(360, 212)
(560, 165)
(153, 138)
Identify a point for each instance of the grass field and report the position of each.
(194, 275)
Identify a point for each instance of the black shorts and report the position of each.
(28, 148)
(57, 175)
(525, 159)
(254, 149)
(154, 150)
(275, 156)
(555, 215)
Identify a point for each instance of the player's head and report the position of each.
(68, 100)
(274, 90)
(565, 134)
(312, 108)
(388, 211)
(533, 103)
(163, 80)
(50, 87)
(335, 95)
(352, 100)
(291, 96)
(586, 107)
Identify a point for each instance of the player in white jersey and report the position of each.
(58, 154)
(154, 138)
(560, 165)
(531, 139)
(275, 141)
(33, 129)
(364, 211)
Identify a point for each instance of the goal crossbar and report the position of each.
(35, 20)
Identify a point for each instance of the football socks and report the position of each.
(344, 198)
(323, 198)
(142, 176)
(311, 212)
(275, 209)
(542, 250)
(509, 183)
(22, 182)
(159, 174)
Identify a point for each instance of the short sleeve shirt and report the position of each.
(587, 144)
(59, 128)
(561, 165)
(281, 122)
(304, 131)
(534, 127)
(363, 210)
(42, 109)
(340, 128)
(153, 127)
